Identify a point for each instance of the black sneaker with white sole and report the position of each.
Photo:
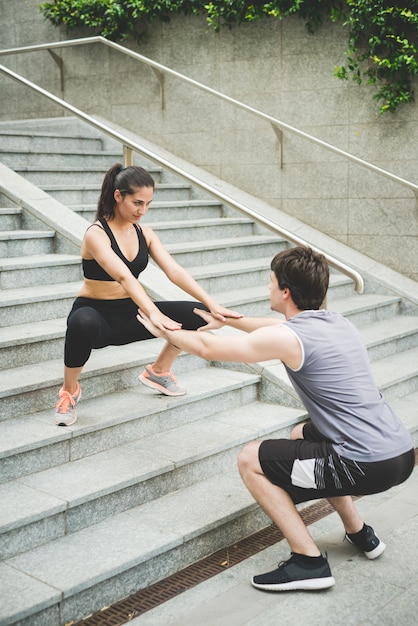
(367, 541)
(298, 572)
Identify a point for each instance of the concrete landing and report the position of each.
(383, 592)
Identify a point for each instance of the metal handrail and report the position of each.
(130, 145)
(162, 69)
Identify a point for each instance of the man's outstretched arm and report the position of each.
(246, 324)
(265, 343)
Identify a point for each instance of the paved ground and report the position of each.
(383, 592)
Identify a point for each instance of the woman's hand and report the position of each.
(161, 321)
(221, 313)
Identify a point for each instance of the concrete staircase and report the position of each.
(142, 485)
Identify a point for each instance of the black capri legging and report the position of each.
(100, 323)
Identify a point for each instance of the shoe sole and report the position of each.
(371, 554)
(68, 424)
(309, 584)
(152, 385)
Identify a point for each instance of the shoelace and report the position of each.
(64, 401)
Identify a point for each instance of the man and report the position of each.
(353, 444)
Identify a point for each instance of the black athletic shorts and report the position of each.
(309, 469)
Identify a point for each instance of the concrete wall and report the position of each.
(273, 66)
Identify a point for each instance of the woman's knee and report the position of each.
(83, 333)
(84, 321)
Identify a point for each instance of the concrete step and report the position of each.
(198, 525)
(390, 336)
(32, 442)
(16, 243)
(32, 388)
(200, 230)
(10, 218)
(124, 548)
(25, 344)
(17, 142)
(367, 308)
(232, 274)
(89, 194)
(39, 269)
(361, 309)
(39, 303)
(29, 160)
(92, 173)
(45, 177)
(397, 374)
(164, 211)
(64, 126)
(198, 253)
(240, 274)
(46, 301)
(130, 474)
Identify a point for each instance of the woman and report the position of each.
(114, 252)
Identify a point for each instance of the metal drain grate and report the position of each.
(124, 611)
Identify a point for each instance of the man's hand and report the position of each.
(156, 328)
(212, 323)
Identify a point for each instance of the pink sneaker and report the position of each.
(65, 413)
(165, 383)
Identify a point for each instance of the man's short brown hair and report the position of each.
(305, 273)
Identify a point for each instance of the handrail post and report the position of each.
(128, 156)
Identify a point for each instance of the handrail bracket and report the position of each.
(160, 78)
(58, 60)
(279, 134)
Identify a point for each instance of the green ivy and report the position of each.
(382, 35)
(383, 42)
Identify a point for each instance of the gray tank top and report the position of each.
(336, 385)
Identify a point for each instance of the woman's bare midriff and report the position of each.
(102, 290)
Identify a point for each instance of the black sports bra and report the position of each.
(94, 271)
